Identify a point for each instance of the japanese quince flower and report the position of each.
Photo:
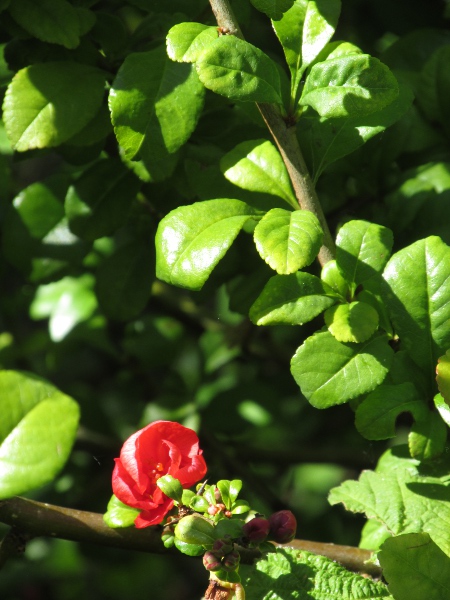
(161, 448)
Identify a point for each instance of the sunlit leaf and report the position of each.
(353, 322)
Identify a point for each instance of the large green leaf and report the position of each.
(119, 514)
(415, 568)
(434, 88)
(274, 9)
(191, 240)
(37, 431)
(293, 299)
(239, 71)
(443, 375)
(186, 41)
(417, 294)
(288, 241)
(155, 104)
(257, 166)
(48, 103)
(398, 496)
(355, 85)
(428, 436)
(330, 372)
(297, 575)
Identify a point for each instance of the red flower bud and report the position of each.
(256, 530)
(211, 562)
(230, 562)
(283, 526)
(223, 546)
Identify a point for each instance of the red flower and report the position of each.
(161, 448)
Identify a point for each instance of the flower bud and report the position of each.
(256, 530)
(230, 562)
(223, 546)
(194, 529)
(283, 526)
(211, 562)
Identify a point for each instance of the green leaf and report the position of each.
(428, 437)
(191, 240)
(420, 318)
(186, 41)
(155, 104)
(229, 490)
(376, 415)
(98, 203)
(257, 166)
(288, 573)
(443, 375)
(231, 527)
(288, 241)
(274, 9)
(292, 299)
(37, 431)
(373, 534)
(171, 487)
(67, 302)
(320, 23)
(198, 503)
(55, 22)
(330, 372)
(355, 85)
(354, 322)
(239, 71)
(362, 250)
(415, 568)
(400, 498)
(189, 549)
(119, 514)
(46, 104)
(332, 276)
(443, 408)
(434, 88)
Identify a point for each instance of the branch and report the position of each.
(286, 140)
(40, 519)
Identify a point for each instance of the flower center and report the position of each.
(157, 471)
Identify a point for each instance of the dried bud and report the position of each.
(230, 562)
(283, 526)
(223, 546)
(211, 562)
(256, 530)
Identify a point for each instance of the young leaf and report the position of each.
(420, 319)
(443, 375)
(37, 431)
(119, 514)
(155, 104)
(291, 299)
(186, 41)
(355, 85)
(354, 322)
(330, 372)
(274, 9)
(257, 166)
(239, 71)
(288, 573)
(428, 436)
(288, 241)
(332, 276)
(415, 568)
(48, 103)
(191, 240)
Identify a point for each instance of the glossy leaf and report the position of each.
(274, 9)
(229, 491)
(119, 514)
(443, 408)
(434, 88)
(320, 23)
(239, 71)
(48, 103)
(288, 241)
(191, 240)
(37, 431)
(354, 322)
(362, 250)
(355, 85)
(332, 276)
(291, 299)
(155, 104)
(443, 375)
(330, 372)
(420, 319)
(415, 568)
(428, 437)
(186, 41)
(257, 166)
(98, 203)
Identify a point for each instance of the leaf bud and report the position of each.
(283, 526)
(195, 529)
(171, 487)
(256, 530)
(230, 562)
(223, 546)
(211, 562)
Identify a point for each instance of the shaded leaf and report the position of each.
(428, 436)
(274, 9)
(354, 322)
(443, 376)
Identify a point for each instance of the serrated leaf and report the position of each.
(443, 375)
(292, 299)
(362, 250)
(376, 415)
(400, 498)
(191, 240)
(119, 514)
(373, 534)
(296, 574)
(55, 22)
(330, 372)
(288, 241)
(37, 431)
(155, 104)
(274, 9)
(355, 85)
(186, 41)
(420, 318)
(238, 70)
(428, 436)
(46, 104)
(257, 166)
(415, 568)
(98, 203)
(353, 322)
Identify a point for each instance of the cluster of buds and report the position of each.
(280, 527)
(222, 556)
